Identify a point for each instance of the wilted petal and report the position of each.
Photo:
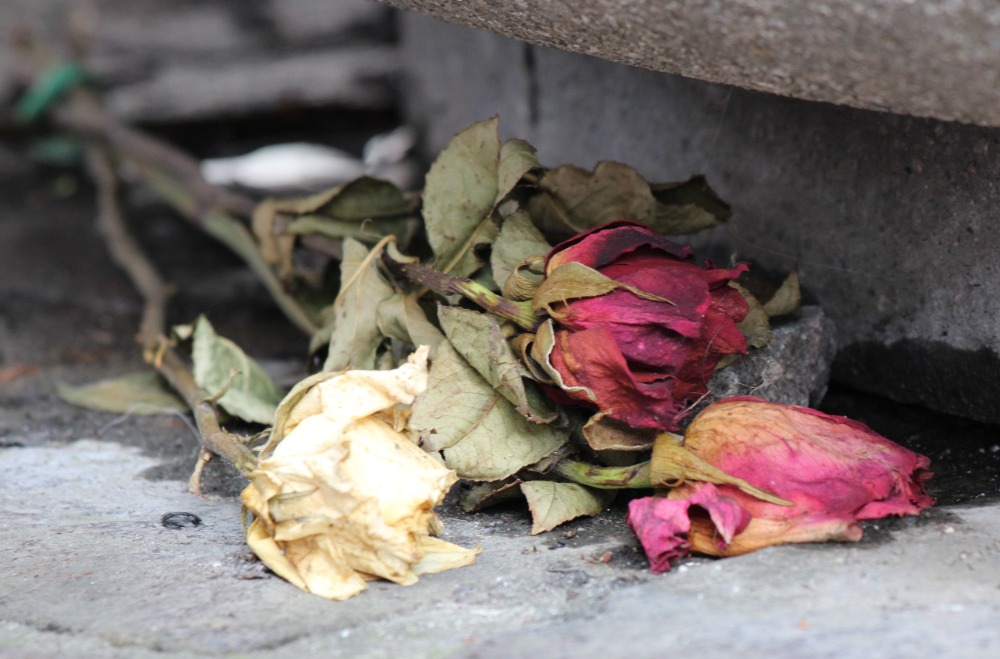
(344, 496)
(663, 525)
(642, 352)
(593, 370)
(836, 471)
(602, 245)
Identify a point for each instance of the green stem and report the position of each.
(520, 313)
(605, 478)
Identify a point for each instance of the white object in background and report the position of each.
(304, 165)
(294, 165)
(389, 148)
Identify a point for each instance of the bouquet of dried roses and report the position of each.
(533, 333)
(563, 328)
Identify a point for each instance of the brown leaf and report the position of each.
(787, 298)
(606, 434)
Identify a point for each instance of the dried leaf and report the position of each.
(517, 158)
(787, 298)
(459, 196)
(16, 372)
(606, 434)
(756, 326)
(572, 200)
(479, 339)
(552, 504)
(274, 245)
(355, 334)
(687, 207)
(402, 318)
(483, 495)
(575, 280)
(479, 433)
(250, 393)
(143, 392)
(519, 239)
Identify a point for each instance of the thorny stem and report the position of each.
(605, 478)
(520, 313)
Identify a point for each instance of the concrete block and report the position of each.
(889, 219)
(931, 58)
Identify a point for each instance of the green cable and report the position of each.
(47, 90)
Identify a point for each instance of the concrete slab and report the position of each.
(933, 58)
(888, 218)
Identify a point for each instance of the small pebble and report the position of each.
(180, 520)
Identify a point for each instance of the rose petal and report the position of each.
(602, 245)
(836, 471)
(663, 526)
(594, 370)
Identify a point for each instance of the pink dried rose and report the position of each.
(639, 328)
(836, 471)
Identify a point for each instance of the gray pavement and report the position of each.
(88, 570)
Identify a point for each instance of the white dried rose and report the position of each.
(341, 495)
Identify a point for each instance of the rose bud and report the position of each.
(638, 328)
(341, 495)
(835, 470)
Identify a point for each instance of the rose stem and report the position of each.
(437, 281)
(170, 173)
(605, 478)
(130, 257)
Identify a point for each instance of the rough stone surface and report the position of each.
(794, 368)
(889, 219)
(90, 570)
(933, 58)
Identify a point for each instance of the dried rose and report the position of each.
(836, 471)
(639, 328)
(341, 494)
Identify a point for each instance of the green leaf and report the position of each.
(787, 298)
(478, 432)
(687, 207)
(355, 334)
(519, 239)
(480, 340)
(552, 504)
(250, 394)
(401, 317)
(143, 392)
(459, 196)
(517, 158)
(571, 200)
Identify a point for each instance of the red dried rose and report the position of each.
(836, 471)
(639, 328)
